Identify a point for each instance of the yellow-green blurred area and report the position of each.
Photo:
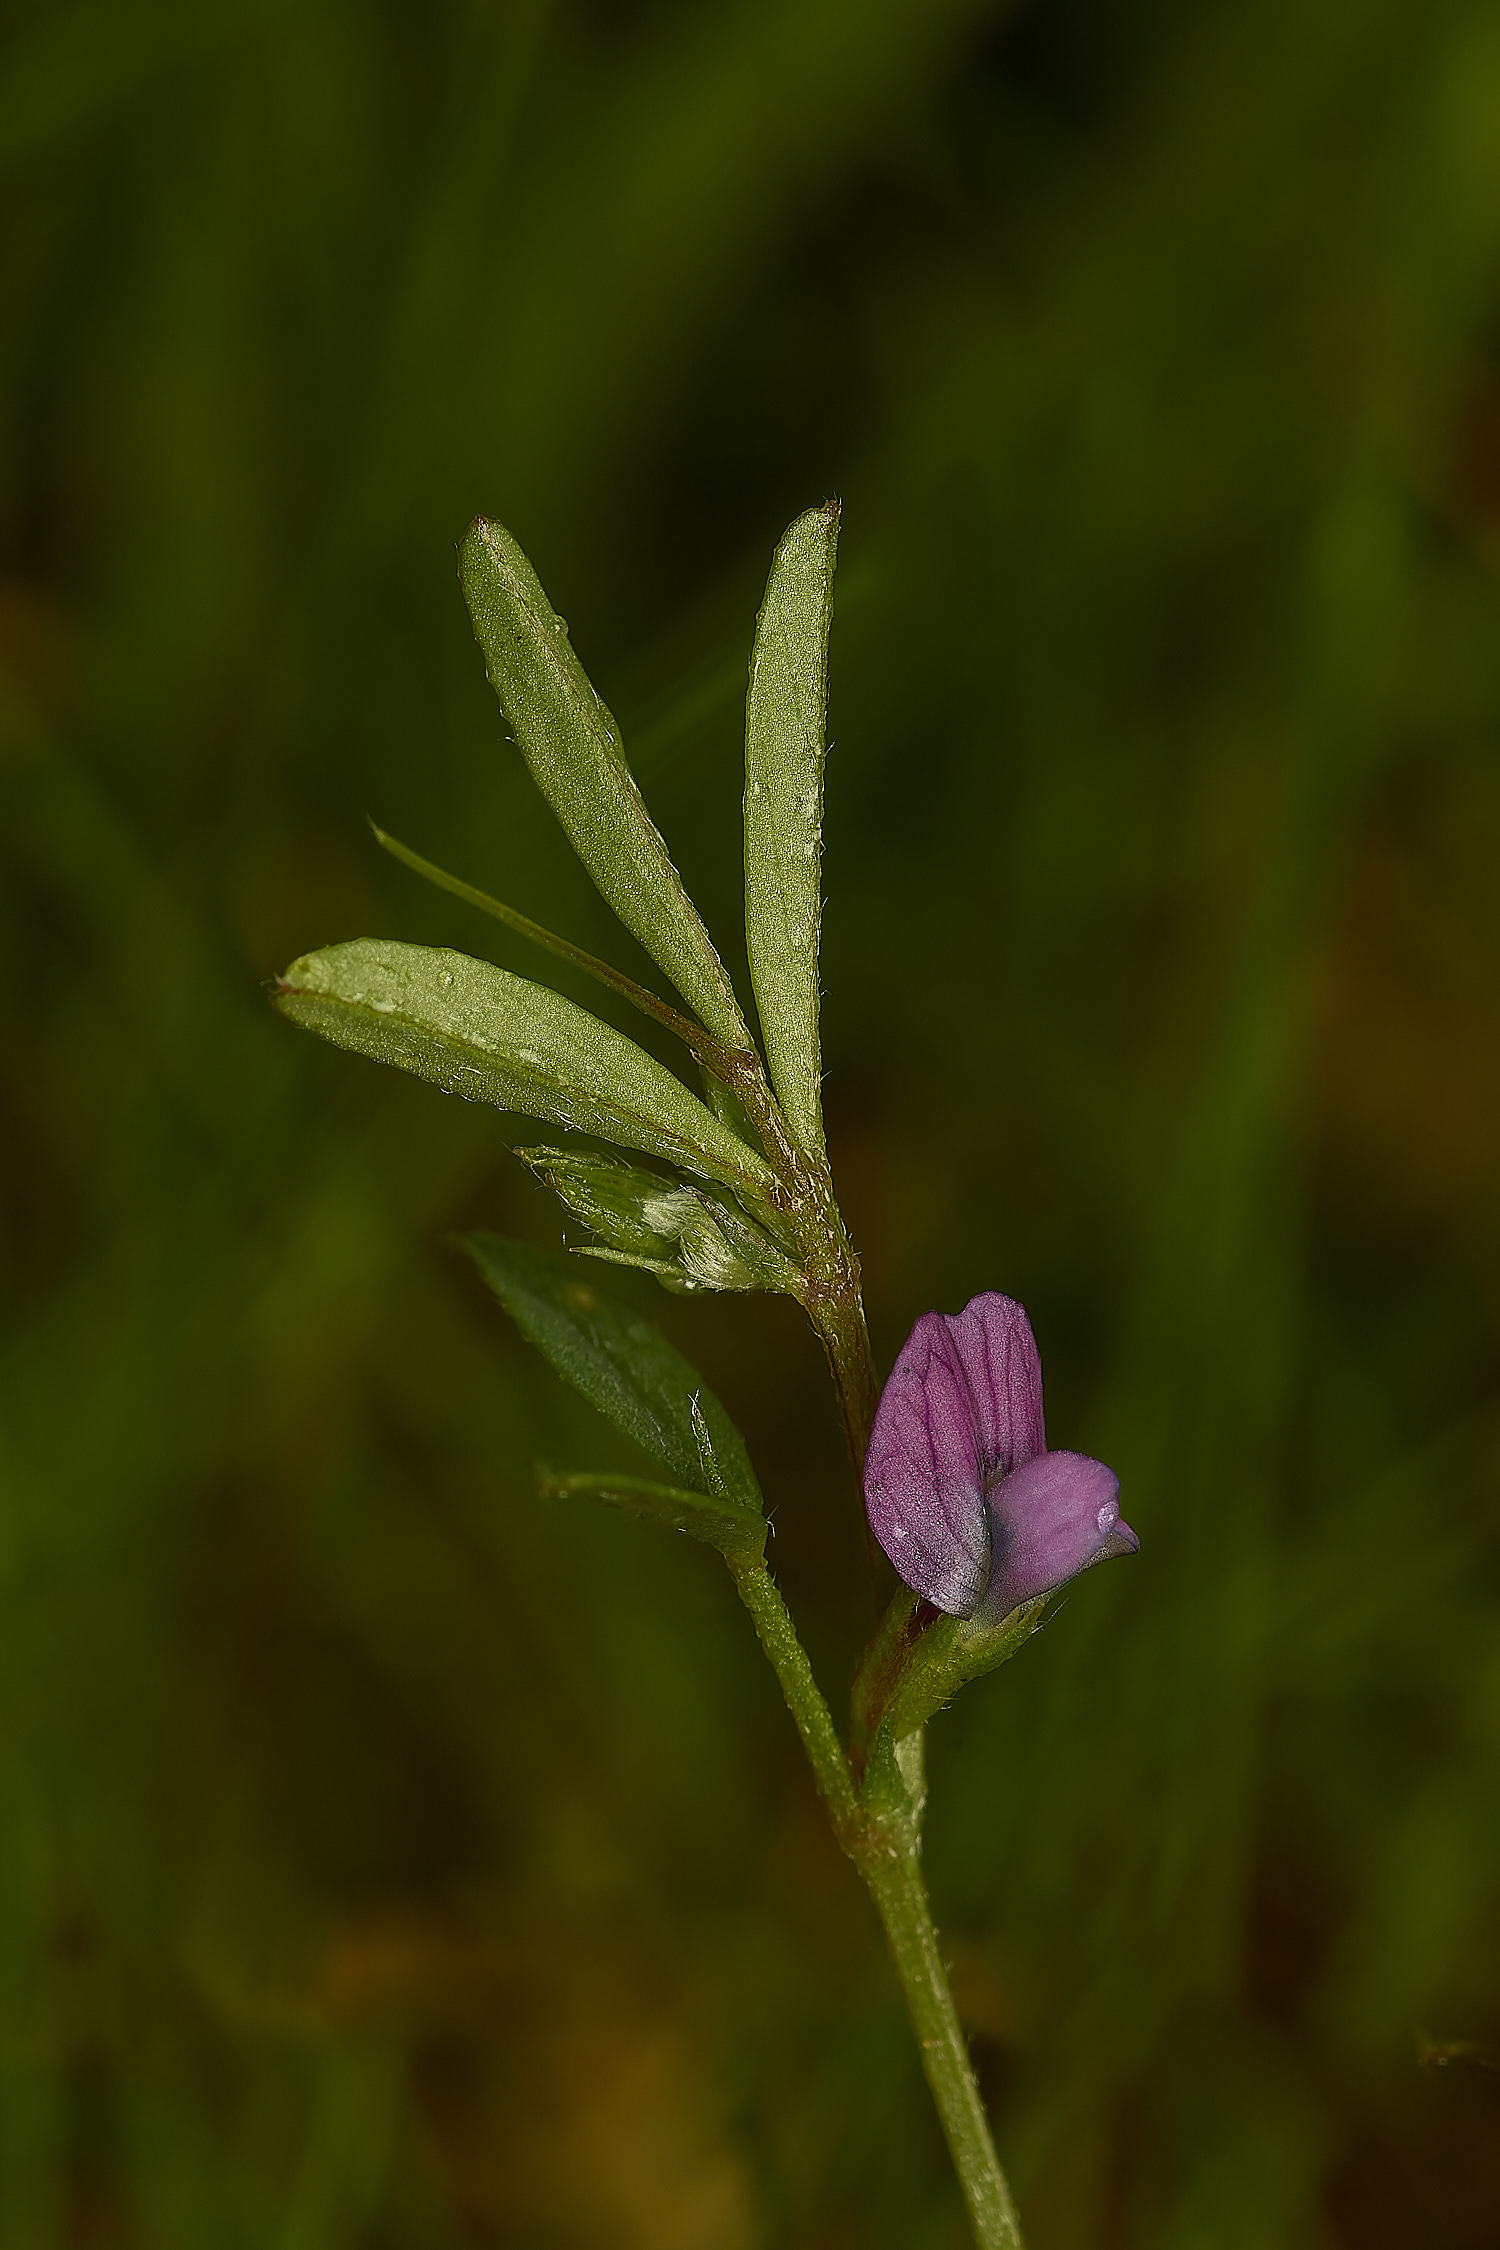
(392, 1861)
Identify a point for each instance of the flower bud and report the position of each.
(689, 1239)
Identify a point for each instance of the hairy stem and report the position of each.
(832, 1297)
(778, 1637)
(879, 1831)
(836, 1310)
(893, 1872)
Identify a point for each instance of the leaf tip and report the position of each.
(484, 531)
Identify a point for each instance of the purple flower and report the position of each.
(962, 1493)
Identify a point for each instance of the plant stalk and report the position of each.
(879, 1832)
(831, 1294)
(892, 1869)
(879, 1827)
(837, 1312)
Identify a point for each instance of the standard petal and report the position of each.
(1049, 1519)
(924, 1476)
(998, 1353)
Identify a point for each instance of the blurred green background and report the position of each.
(387, 1861)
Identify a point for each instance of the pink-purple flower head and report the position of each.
(962, 1493)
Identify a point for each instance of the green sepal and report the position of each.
(679, 1233)
(571, 742)
(478, 1031)
(918, 1660)
(719, 1523)
(623, 1365)
(951, 1652)
(785, 712)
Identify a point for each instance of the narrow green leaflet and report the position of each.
(571, 742)
(784, 758)
(719, 1523)
(476, 1030)
(623, 1365)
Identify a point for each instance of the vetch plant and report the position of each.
(981, 1522)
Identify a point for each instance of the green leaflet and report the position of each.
(733, 1530)
(478, 1031)
(622, 1365)
(571, 742)
(784, 757)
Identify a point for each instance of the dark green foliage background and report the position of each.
(387, 1859)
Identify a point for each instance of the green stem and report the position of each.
(891, 1867)
(778, 1637)
(879, 1829)
(837, 1312)
(834, 1304)
(880, 1834)
(831, 1294)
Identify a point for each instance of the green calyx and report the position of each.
(918, 1660)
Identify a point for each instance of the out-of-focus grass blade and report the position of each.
(67, 68)
(719, 1523)
(784, 759)
(478, 1031)
(623, 1365)
(571, 742)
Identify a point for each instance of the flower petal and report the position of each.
(998, 1351)
(924, 1474)
(1052, 1517)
